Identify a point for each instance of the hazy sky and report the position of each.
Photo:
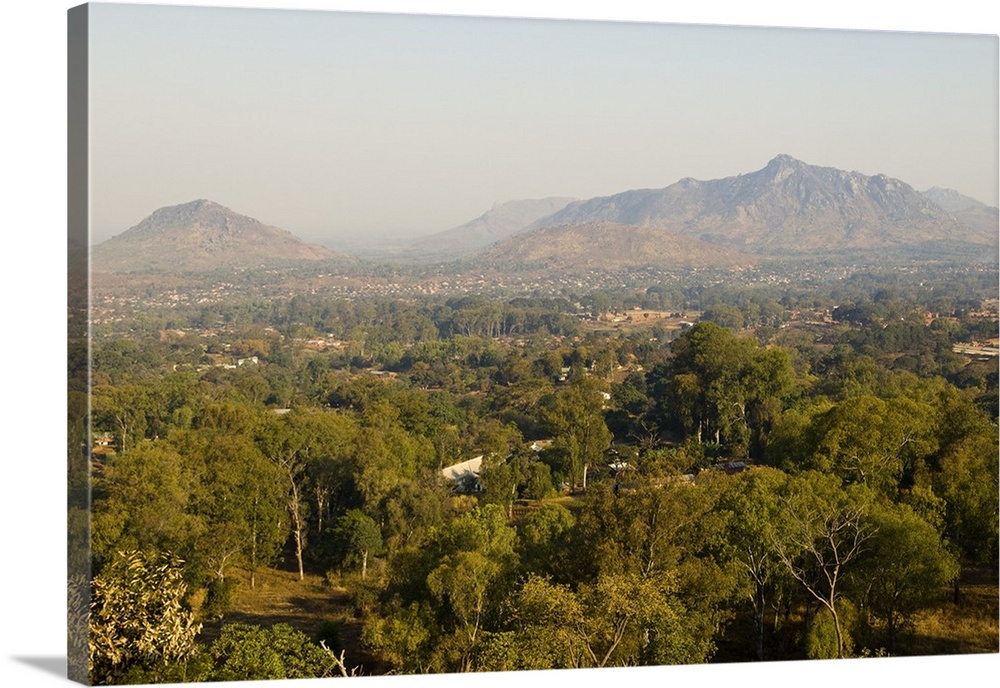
(332, 123)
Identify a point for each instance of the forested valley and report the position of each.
(677, 473)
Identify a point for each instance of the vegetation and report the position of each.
(803, 472)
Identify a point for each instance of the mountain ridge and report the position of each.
(786, 208)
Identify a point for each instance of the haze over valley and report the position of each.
(789, 209)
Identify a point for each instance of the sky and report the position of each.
(33, 260)
(345, 124)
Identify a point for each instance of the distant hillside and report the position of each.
(202, 236)
(500, 222)
(968, 211)
(608, 245)
(790, 208)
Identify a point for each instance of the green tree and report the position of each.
(871, 441)
(723, 387)
(903, 569)
(544, 541)
(655, 529)
(964, 472)
(121, 410)
(574, 416)
(242, 504)
(293, 442)
(462, 572)
(412, 509)
(145, 500)
(359, 538)
(622, 619)
(752, 507)
(402, 636)
(821, 533)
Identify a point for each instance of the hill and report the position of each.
(498, 223)
(968, 211)
(610, 246)
(202, 236)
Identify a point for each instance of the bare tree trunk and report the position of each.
(832, 606)
(297, 525)
(253, 560)
(758, 625)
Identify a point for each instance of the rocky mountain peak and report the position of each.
(789, 207)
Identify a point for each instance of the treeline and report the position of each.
(871, 482)
(381, 319)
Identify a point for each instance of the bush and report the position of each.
(219, 599)
(246, 653)
(821, 638)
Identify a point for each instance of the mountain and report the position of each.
(501, 221)
(610, 246)
(951, 200)
(202, 236)
(790, 208)
(968, 211)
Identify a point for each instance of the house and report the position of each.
(465, 475)
(540, 445)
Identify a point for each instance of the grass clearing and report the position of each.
(971, 626)
(280, 597)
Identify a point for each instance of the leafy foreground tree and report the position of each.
(752, 506)
(623, 619)
(822, 532)
(139, 625)
(903, 569)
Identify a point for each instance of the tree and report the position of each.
(385, 456)
(871, 441)
(722, 386)
(292, 442)
(138, 619)
(904, 568)
(965, 474)
(242, 504)
(821, 532)
(122, 410)
(622, 619)
(463, 573)
(752, 505)
(402, 636)
(544, 539)
(462, 581)
(655, 529)
(413, 509)
(145, 500)
(359, 536)
(574, 415)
